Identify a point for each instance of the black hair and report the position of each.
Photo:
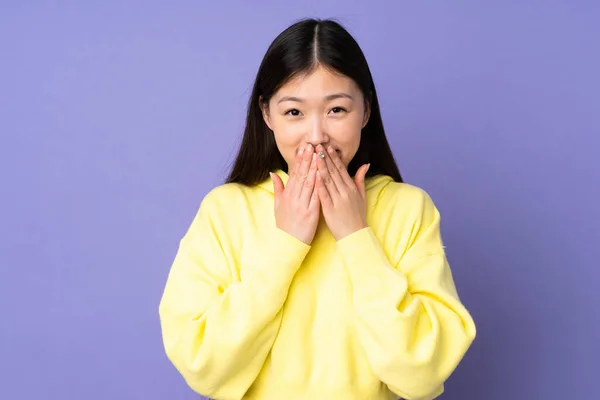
(301, 48)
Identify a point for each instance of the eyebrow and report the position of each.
(328, 98)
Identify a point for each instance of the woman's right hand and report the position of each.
(297, 206)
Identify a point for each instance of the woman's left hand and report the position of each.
(343, 200)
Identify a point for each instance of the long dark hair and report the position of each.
(299, 49)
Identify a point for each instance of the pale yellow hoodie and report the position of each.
(251, 312)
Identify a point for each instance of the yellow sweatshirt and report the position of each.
(250, 312)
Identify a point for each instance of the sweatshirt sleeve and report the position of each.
(410, 320)
(219, 324)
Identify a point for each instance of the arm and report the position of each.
(410, 320)
(217, 329)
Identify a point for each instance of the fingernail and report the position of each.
(314, 156)
(330, 149)
(368, 166)
(271, 175)
(309, 147)
(301, 151)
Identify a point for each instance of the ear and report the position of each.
(264, 107)
(367, 112)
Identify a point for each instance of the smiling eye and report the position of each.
(337, 110)
(293, 112)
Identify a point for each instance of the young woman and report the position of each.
(314, 272)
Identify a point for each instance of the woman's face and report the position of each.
(320, 108)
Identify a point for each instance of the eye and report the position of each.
(293, 112)
(337, 110)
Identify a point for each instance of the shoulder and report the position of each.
(400, 214)
(220, 208)
(403, 204)
(404, 196)
(224, 196)
(405, 191)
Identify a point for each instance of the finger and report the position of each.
(323, 193)
(277, 186)
(334, 173)
(314, 199)
(339, 166)
(303, 170)
(309, 184)
(324, 172)
(359, 179)
(294, 172)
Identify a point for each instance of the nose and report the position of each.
(317, 133)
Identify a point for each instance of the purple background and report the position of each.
(117, 117)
